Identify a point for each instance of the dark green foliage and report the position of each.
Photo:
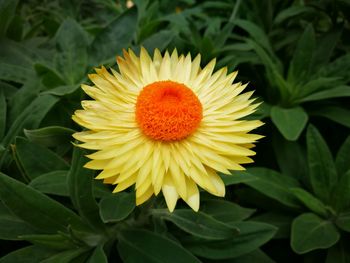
(293, 205)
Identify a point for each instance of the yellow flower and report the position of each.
(166, 125)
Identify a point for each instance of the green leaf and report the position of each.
(54, 182)
(322, 171)
(343, 221)
(11, 227)
(237, 177)
(117, 35)
(62, 90)
(80, 190)
(71, 59)
(147, 247)
(290, 122)
(290, 12)
(98, 256)
(30, 254)
(274, 185)
(281, 221)
(117, 207)
(65, 256)
(3, 109)
(225, 211)
(7, 12)
(43, 161)
(311, 202)
(341, 193)
(339, 253)
(310, 232)
(342, 160)
(252, 235)
(336, 114)
(333, 92)
(38, 210)
(255, 256)
(50, 136)
(56, 241)
(198, 224)
(159, 40)
(300, 65)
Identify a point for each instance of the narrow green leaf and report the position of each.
(56, 241)
(322, 171)
(342, 160)
(62, 90)
(159, 40)
(225, 211)
(343, 221)
(50, 136)
(65, 256)
(237, 177)
(290, 12)
(300, 65)
(43, 161)
(341, 193)
(339, 253)
(7, 11)
(80, 190)
(72, 43)
(98, 256)
(198, 224)
(117, 35)
(51, 183)
(311, 202)
(11, 227)
(332, 92)
(117, 207)
(274, 185)
(254, 256)
(38, 210)
(290, 122)
(30, 254)
(147, 247)
(3, 109)
(252, 235)
(335, 113)
(310, 232)
(281, 221)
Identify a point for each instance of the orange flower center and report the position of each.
(168, 111)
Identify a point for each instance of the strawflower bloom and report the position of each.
(166, 125)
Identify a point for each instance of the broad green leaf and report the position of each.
(3, 109)
(274, 185)
(343, 221)
(158, 40)
(341, 193)
(66, 256)
(147, 247)
(30, 254)
(332, 92)
(115, 36)
(117, 207)
(36, 209)
(98, 256)
(315, 85)
(43, 161)
(310, 232)
(335, 113)
(252, 235)
(49, 76)
(257, 256)
(281, 221)
(322, 171)
(7, 11)
(290, 12)
(198, 224)
(50, 136)
(80, 190)
(11, 227)
(300, 65)
(71, 59)
(62, 90)
(339, 253)
(237, 177)
(55, 241)
(311, 202)
(54, 182)
(342, 160)
(225, 211)
(289, 121)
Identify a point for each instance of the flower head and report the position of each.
(166, 125)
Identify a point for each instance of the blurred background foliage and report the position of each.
(292, 205)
